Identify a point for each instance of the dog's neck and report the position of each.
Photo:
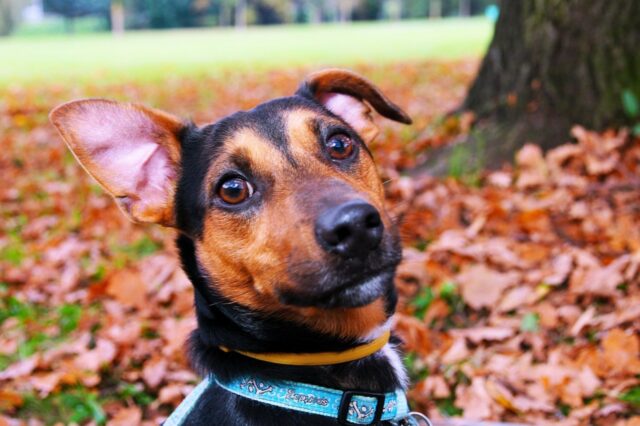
(224, 323)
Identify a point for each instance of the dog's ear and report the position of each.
(348, 96)
(131, 150)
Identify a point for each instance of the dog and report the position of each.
(283, 232)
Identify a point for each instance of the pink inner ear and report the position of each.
(120, 146)
(355, 112)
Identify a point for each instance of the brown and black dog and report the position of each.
(282, 230)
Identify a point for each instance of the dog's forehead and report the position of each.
(269, 120)
(286, 129)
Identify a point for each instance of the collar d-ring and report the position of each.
(419, 416)
(414, 419)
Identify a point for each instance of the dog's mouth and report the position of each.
(350, 294)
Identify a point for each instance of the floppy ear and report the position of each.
(348, 96)
(131, 150)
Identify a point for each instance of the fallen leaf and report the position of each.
(92, 360)
(154, 371)
(9, 399)
(126, 417)
(20, 368)
(128, 288)
(621, 352)
(474, 400)
(482, 286)
(479, 334)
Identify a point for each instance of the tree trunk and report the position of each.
(435, 8)
(465, 8)
(393, 9)
(552, 64)
(345, 10)
(7, 22)
(314, 12)
(117, 17)
(241, 14)
(224, 14)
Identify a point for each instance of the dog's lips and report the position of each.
(363, 292)
(348, 295)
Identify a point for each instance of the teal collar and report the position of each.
(348, 407)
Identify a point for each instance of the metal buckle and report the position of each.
(348, 396)
(415, 414)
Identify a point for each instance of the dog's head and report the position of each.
(283, 202)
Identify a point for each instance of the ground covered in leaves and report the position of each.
(520, 287)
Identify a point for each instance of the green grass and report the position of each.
(156, 54)
(56, 25)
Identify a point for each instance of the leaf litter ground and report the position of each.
(520, 288)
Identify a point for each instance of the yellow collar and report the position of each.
(319, 358)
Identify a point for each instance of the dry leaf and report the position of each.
(127, 417)
(127, 287)
(482, 286)
(154, 371)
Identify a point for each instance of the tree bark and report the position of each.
(117, 18)
(7, 22)
(314, 12)
(552, 64)
(345, 10)
(435, 8)
(241, 14)
(464, 9)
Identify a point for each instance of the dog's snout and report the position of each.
(352, 229)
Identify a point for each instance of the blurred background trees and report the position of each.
(10, 15)
(157, 14)
(72, 9)
(551, 64)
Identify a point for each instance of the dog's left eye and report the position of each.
(339, 146)
(235, 190)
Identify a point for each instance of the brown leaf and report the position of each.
(46, 383)
(127, 287)
(175, 333)
(174, 393)
(20, 368)
(154, 371)
(482, 286)
(479, 334)
(457, 352)
(435, 387)
(561, 266)
(10, 399)
(633, 421)
(126, 417)
(474, 400)
(92, 360)
(515, 298)
(621, 352)
(601, 281)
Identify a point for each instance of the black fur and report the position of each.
(223, 322)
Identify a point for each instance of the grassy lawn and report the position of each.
(156, 54)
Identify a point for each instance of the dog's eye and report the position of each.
(340, 146)
(235, 190)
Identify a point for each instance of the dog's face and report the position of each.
(283, 202)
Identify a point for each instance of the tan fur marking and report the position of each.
(250, 256)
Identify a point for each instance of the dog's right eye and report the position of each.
(235, 190)
(340, 147)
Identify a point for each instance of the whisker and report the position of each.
(390, 180)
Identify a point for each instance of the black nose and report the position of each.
(351, 229)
